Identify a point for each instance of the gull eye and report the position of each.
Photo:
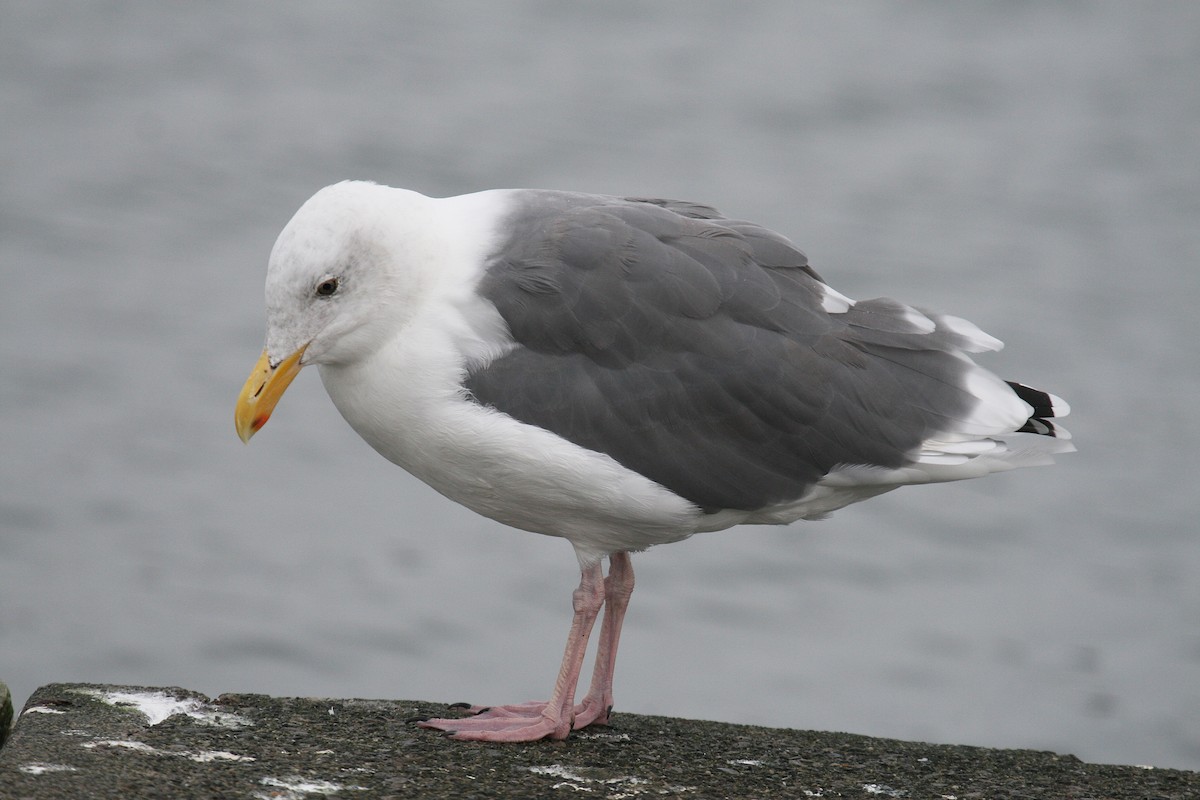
(327, 287)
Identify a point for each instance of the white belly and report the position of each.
(517, 474)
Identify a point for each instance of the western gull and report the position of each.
(620, 372)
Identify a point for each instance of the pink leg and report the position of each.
(530, 722)
(618, 587)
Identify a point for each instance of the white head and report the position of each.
(344, 274)
(350, 257)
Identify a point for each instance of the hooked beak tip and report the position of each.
(262, 391)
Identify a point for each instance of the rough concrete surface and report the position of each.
(93, 741)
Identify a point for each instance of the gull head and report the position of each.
(344, 275)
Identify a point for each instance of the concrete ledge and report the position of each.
(84, 741)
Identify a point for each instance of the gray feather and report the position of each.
(694, 350)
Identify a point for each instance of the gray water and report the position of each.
(1033, 167)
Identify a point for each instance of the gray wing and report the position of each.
(694, 350)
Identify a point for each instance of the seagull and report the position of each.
(620, 372)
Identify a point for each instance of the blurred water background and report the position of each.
(1033, 167)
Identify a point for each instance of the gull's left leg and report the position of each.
(618, 587)
(596, 707)
(532, 721)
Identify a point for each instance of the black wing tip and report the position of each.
(1046, 407)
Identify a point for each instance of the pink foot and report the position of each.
(518, 723)
(554, 719)
(589, 712)
(586, 713)
(531, 709)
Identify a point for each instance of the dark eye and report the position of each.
(327, 287)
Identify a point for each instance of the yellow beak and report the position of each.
(262, 391)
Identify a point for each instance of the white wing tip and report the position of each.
(975, 340)
(833, 301)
